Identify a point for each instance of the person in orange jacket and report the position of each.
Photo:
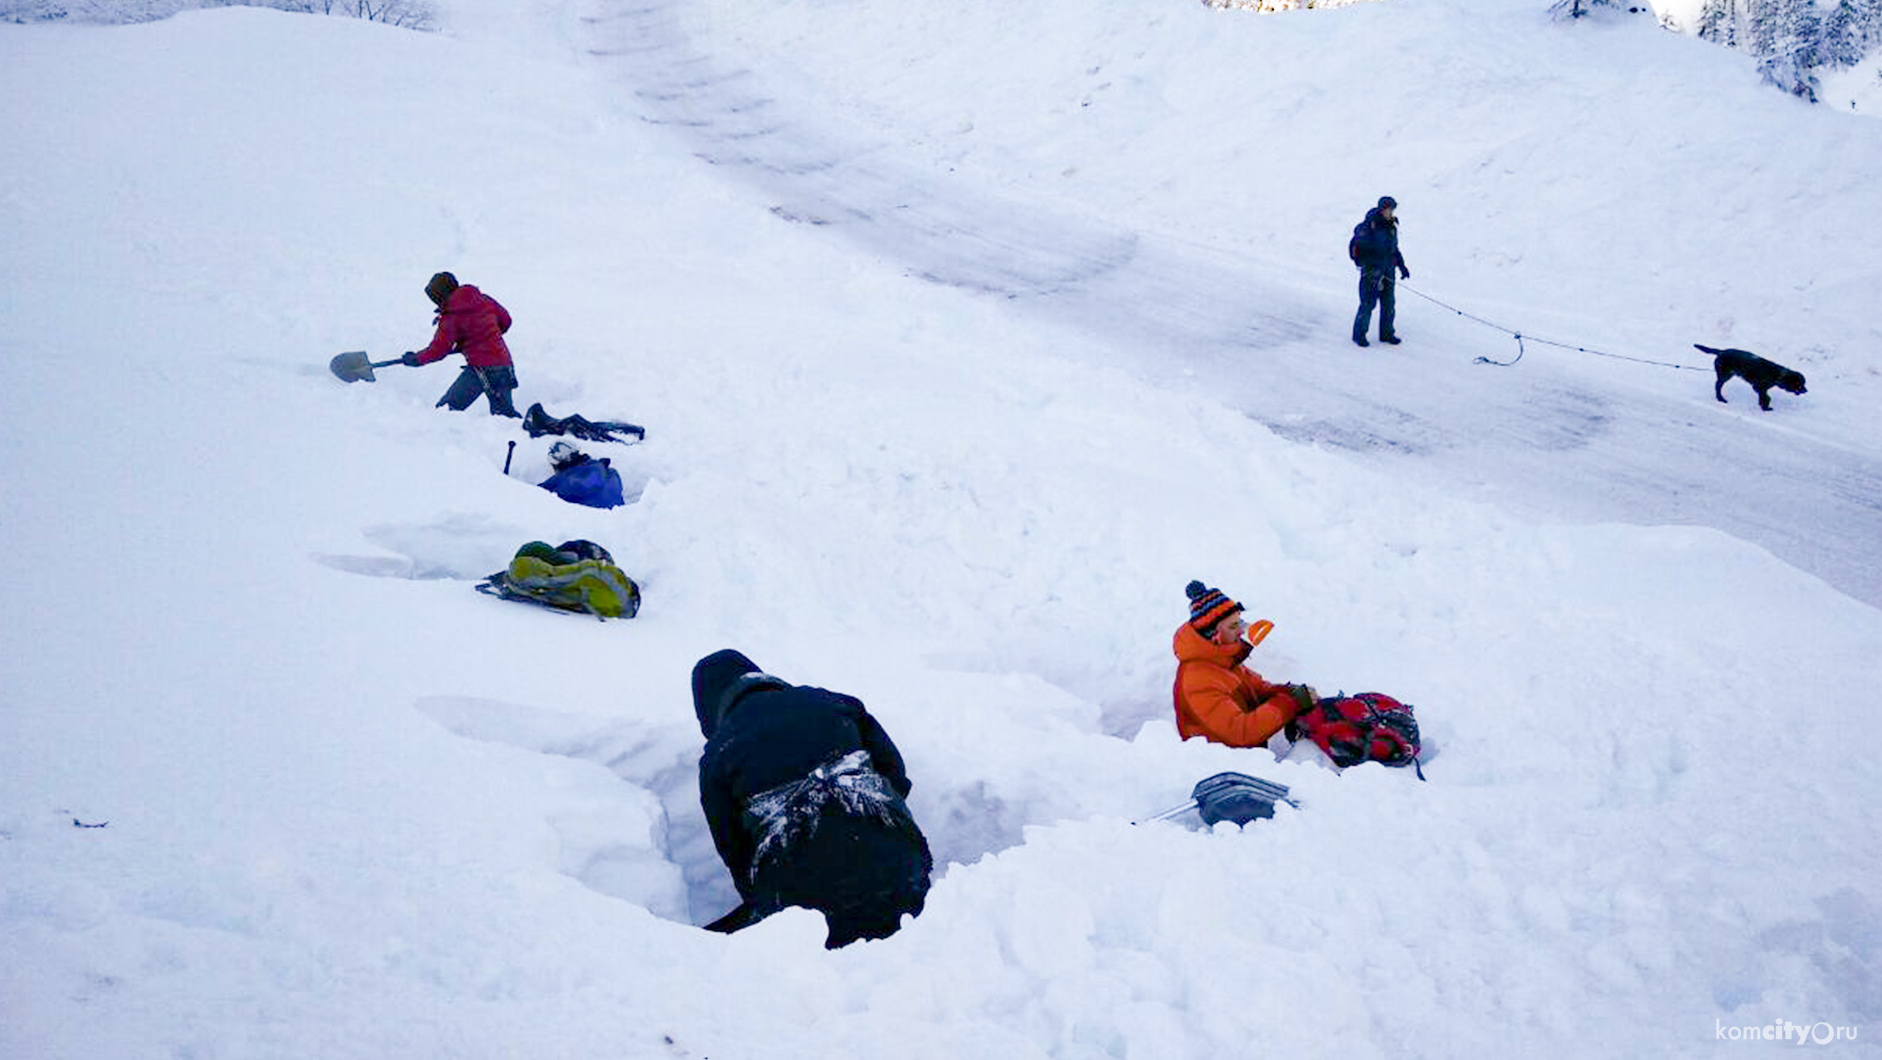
(1217, 697)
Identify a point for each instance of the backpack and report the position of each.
(1367, 727)
(1352, 245)
(591, 482)
(562, 580)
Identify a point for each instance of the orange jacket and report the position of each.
(1217, 697)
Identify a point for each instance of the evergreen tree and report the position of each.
(1786, 36)
(1718, 22)
(1842, 42)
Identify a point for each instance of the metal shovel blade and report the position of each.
(1237, 797)
(352, 367)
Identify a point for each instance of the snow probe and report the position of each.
(352, 367)
(1235, 797)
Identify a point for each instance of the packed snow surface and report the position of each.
(964, 336)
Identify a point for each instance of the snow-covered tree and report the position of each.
(1785, 37)
(1580, 8)
(1842, 42)
(1718, 22)
(411, 14)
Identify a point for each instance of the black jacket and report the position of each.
(1375, 243)
(762, 733)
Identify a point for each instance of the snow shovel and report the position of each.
(352, 367)
(1235, 797)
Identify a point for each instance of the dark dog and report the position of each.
(1753, 369)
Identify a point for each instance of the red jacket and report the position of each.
(471, 323)
(1219, 698)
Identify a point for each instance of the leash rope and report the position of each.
(1519, 337)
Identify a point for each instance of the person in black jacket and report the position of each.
(805, 796)
(1374, 250)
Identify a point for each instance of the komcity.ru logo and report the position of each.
(1783, 1031)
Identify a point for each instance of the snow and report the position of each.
(1061, 325)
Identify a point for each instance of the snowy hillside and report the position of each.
(982, 335)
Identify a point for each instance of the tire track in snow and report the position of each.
(1258, 336)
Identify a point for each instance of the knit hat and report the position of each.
(1387, 200)
(1208, 606)
(440, 288)
(720, 680)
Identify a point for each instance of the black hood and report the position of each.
(720, 680)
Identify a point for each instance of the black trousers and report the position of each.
(472, 383)
(862, 875)
(1376, 287)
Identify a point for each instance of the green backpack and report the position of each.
(580, 576)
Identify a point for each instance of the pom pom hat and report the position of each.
(1208, 606)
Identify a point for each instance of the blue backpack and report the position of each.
(591, 482)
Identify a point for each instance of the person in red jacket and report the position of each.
(1216, 696)
(470, 322)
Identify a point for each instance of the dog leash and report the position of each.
(1520, 337)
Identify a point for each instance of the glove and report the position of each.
(1304, 696)
(1404, 273)
(410, 360)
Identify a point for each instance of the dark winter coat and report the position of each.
(798, 816)
(1375, 243)
(472, 323)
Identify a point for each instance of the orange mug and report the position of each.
(1258, 631)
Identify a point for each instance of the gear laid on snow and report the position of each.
(538, 423)
(1365, 727)
(582, 548)
(566, 579)
(581, 479)
(1234, 797)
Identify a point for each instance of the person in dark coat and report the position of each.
(805, 795)
(472, 323)
(1375, 251)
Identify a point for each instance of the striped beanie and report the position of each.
(1208, 606)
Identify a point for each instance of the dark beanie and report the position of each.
(440, 288)
(1208, 606)
(723, 680)
(1387, 200)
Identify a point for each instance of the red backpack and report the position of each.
(1367, 727)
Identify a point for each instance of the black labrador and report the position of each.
(1753, 369)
